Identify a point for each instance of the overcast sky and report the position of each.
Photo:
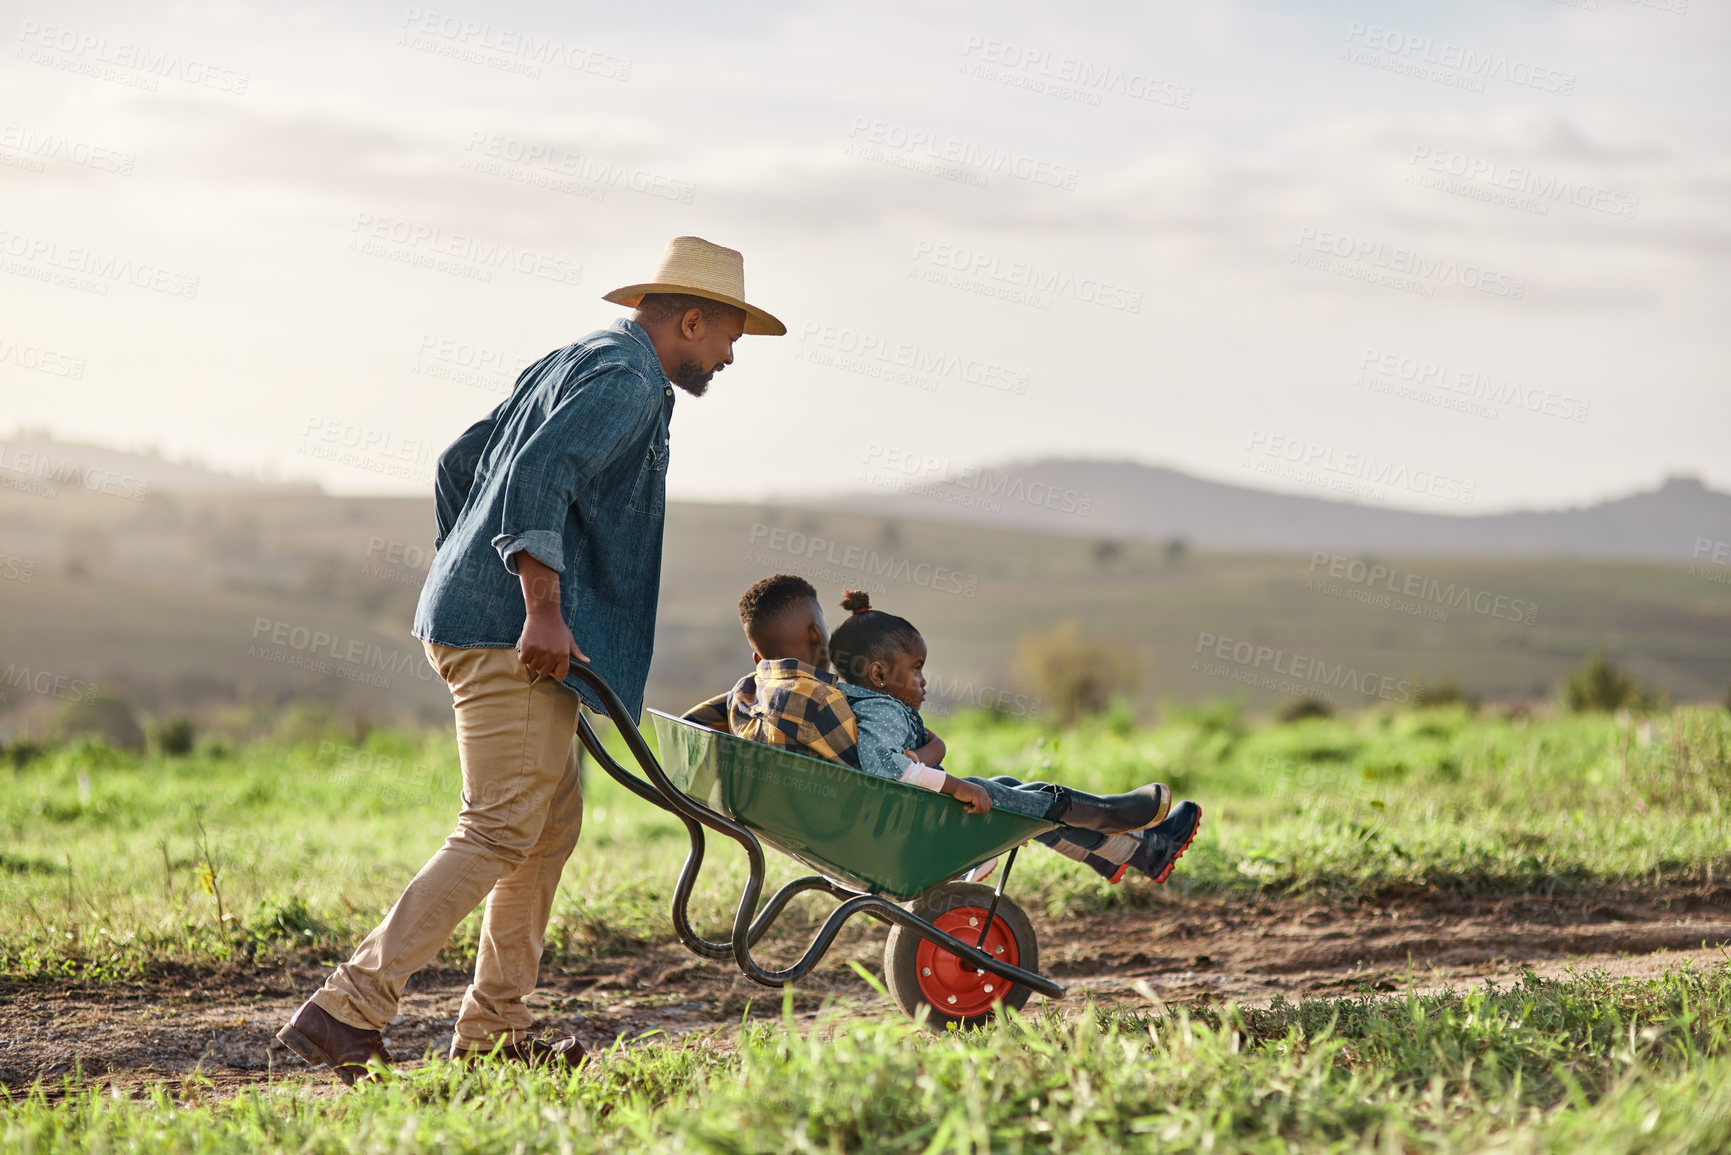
(1484, 241)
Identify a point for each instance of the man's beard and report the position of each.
(692, 377)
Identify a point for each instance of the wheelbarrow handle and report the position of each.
(695, 816)
(688, 872)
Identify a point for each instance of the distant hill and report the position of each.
(33, 461)
(231, 606)
(231, 598)
(1098, 500)
(1102, 499)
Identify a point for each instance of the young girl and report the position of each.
(881, 659)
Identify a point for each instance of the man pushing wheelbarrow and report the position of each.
(550, 513)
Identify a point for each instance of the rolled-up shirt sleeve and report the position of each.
(925, 777)
(584, 434)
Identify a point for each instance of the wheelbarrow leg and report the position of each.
(998, 894)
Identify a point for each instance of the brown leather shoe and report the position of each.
(320, 1038)
(564, 1052)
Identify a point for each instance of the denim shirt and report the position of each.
(572, 469)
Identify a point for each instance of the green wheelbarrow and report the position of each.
(961, 950)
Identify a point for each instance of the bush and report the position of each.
(1600, 686)
(24, 752)
(1076, 676)
(107, 717)
(92, 753)
(1447, 692)
(309, 723)
(176, 736)
(1303, 708)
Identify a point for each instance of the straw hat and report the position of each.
(695, 266)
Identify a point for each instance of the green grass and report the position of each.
(107, 861)
(112, 867)
(1431, 800)
(1582, 1065)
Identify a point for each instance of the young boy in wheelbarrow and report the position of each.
(868, 719)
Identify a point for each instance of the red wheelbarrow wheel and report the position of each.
(922, 974)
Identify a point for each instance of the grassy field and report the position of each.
(1587, 1065)
(115, 863)
(117, 866)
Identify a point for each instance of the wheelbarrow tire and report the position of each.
(922, 974)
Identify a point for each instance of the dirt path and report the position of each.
(220, 1027)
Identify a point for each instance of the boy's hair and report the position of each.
(866, 636)
(770, 598)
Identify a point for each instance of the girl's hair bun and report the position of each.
(856, 600)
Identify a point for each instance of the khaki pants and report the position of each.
(522, 809)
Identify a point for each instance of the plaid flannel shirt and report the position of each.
(788, 704)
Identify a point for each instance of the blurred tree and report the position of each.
(1299, 709)
(1447, 692)
(1598, 685)
(1175, 550)
(107, 717)
(1076, 676)
(307, 722)
(176, 736)
(23, 752)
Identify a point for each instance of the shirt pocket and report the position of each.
(649, 496)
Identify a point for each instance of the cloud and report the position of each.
(750, 132)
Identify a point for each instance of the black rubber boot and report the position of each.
(1162, 845)
(1143, 807)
